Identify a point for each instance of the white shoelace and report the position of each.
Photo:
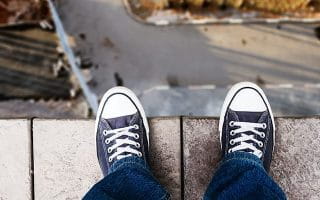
(119, 142)
(242, 140)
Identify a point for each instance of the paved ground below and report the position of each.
(208, 100)
(282, 58)
(142, 57)
(145, 56)
(56, 159)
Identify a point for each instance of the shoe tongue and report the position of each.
(253, 117)
(121, 122)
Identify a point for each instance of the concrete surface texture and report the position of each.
(52, 109)
(147, 56)
(141, 57)
(201, 155)
(15, 160)
(165, 153)
(65, 158)
(295, 163)
(208, 100)
(65, 164)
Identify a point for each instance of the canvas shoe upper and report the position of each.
(246, 123)
(121, 128)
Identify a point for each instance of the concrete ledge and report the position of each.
(165, 153)
(15, 160)
(296, 163)
(65, 158)
(201, 154)
(65, 164)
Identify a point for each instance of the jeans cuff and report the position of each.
(132, 162)
(243, 156)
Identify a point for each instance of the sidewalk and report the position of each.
(63, 158)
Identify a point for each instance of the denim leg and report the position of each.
(242, 176)
(129, 179)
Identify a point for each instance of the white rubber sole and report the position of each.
(231, 94)
(132, 96)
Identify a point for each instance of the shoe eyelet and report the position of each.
(231, 123)
(136, 136)
(107, 141)
(136, 126)
(232, 133)
(260, 144)
(137, 145)
(232, 142)
(109, 150)
(263, 135)
(140, 154)
(110, 159)
(230, 151)
(105, 133)
(264, 125)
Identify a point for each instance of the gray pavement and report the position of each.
(65, 165)
(147, 56)
(52, 109)
(208, 100)
(143, 57)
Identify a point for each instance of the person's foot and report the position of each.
(121, 128)
(246, 123)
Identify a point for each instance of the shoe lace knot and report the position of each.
(246, 141)
(122, 147)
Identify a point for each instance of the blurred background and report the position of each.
(154, 47)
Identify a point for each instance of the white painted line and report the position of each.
(213, 87)
(312, 85)
(288, 85)
(201, 87)
(160, 87)
(161, 23)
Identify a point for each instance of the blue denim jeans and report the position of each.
(242, 176)
(129, 179)
(239, 176)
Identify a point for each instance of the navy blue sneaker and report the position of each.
(247, 123)
(121, 128)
